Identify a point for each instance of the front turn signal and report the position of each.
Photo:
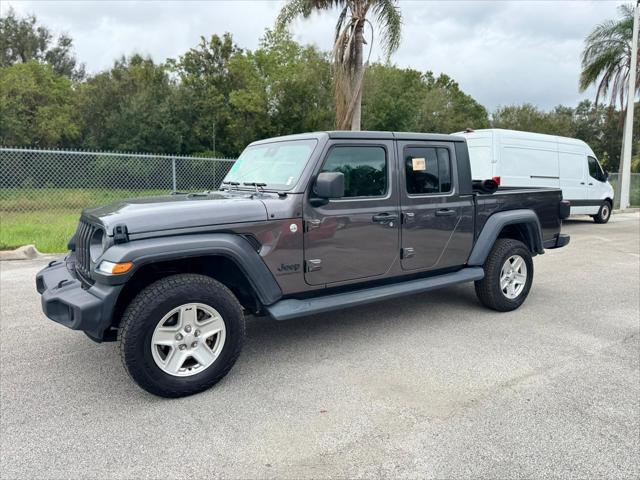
(111, 268)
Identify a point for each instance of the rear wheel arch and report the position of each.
(522, 225)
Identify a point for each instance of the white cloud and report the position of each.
(499, 52)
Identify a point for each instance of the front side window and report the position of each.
(595, 170)
(427, 170)
(364, 169)
(277, 164)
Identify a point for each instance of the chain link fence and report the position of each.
(44, 180)
(634, 189)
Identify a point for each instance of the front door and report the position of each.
(596, 184)
(357, 236)
(437, 222)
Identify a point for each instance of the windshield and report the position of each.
(278, 164)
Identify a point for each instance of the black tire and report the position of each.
(604, 214)
(145, 312)
(488, 289)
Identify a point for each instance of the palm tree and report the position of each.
(348, 57)
(606, 58)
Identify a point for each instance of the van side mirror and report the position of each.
(329, 185)
(606, 175)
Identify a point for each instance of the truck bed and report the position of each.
(544, 201)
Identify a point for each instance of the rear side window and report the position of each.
(427, 170)
(364, 169)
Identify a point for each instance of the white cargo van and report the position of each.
(524, 159)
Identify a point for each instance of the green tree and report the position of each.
(22, 39)
(445, 108)
(407, 100)
(298, 83)
(348, 49)
(36, 107)
(130, 107)
(529, 118)
(281, 88)
(392, 98)
(204, 94)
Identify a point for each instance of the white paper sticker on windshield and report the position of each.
(418, 164)
(290, 180)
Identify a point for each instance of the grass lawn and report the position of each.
(47, 218)
(49, 231)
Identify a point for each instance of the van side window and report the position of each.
(427, 170)
(595, 170)
(364, 169)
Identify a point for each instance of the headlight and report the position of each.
(98, 244)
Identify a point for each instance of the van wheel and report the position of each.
(181, 335)
(604, 214)
(508, 275)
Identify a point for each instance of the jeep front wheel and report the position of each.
(181, 335)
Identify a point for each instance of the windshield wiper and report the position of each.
(230, 185)
(256, 185)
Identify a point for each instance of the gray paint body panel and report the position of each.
(151, 214)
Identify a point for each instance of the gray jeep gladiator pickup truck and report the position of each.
(302, 224)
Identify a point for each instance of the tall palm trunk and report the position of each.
(358, 78)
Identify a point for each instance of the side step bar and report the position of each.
(292, 308)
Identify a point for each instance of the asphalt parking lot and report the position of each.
(428, 386)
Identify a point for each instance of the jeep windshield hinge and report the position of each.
(120, 234)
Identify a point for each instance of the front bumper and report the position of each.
(558, 241)
(67, 301)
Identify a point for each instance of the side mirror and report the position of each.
(606, 175)
(329, 185)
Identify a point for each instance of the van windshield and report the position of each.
(278, 164)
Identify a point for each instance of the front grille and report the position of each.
(83, 243)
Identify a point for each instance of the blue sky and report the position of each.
(500, 52)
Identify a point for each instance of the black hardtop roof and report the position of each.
(366, 135)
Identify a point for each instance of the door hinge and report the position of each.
(406, 252)
(312, 265)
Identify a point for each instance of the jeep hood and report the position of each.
(171, 212)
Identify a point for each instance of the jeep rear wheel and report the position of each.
(181, 335)
(508, 275)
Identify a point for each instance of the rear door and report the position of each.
(597, 186)
(357, 236)
(437, 222)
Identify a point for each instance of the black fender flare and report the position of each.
(494, 226)
(234, 247)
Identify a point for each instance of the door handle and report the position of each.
(445, 212)
(384, 217)
(591, 184)
(581, 183)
